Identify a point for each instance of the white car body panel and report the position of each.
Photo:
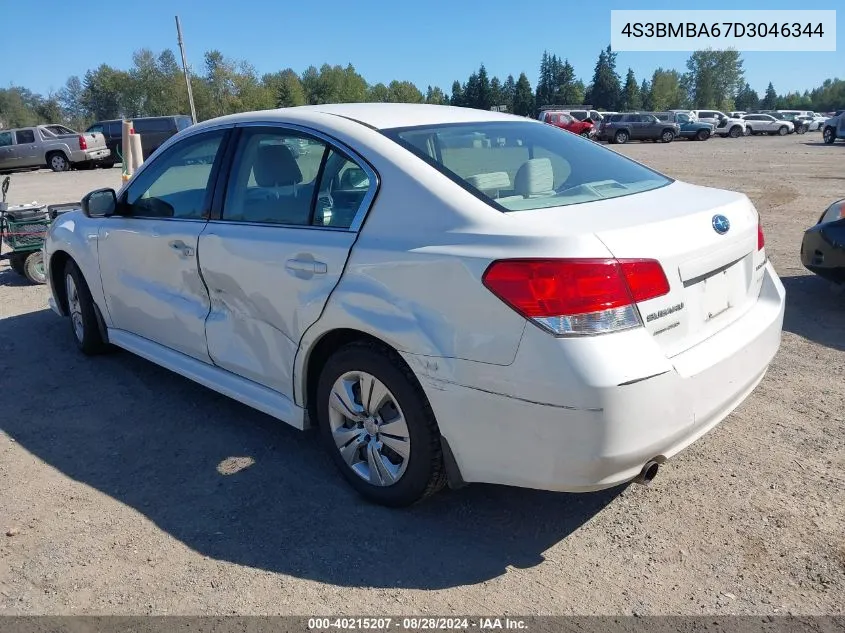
(515, 404)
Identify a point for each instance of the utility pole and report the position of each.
(185, 68)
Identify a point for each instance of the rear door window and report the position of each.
(284, 177)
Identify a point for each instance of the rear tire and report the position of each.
(57, 161)
(83, 316)
(33, 268)
(16, 263)
(621, 137)
(360, 445)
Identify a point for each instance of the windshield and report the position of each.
(516, 166)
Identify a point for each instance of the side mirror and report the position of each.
(100, 203)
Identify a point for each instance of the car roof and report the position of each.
(380, 116)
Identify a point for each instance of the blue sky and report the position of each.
(431, 42)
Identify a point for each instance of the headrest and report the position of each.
(490, 181)
(535, 177)
(275, 166)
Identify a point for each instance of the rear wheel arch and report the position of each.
(322, 349)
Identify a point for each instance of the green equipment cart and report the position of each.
(22, 231)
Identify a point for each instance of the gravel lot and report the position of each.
(117, 497)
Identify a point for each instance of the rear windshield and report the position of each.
(515, 166)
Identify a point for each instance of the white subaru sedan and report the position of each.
(449, 295)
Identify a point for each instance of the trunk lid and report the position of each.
(714, 276)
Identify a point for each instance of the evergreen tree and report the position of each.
(457, 98)
(606, 89)
(496, 92)
(645, 95)
(471, 95)
(485, 96)
(770, 101)
(523, 99)
(747, 99)
(508, 91)
(631, 98)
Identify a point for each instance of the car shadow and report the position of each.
(814, 311)
(820, 144)
(239, 486)
(9, 277)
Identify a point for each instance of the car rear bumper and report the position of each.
(609, 431)
(820, 253)
(97, 154)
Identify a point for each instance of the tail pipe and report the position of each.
(648, 473)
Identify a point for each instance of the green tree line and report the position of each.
(155, 85)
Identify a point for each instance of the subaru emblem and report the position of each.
(721, 224)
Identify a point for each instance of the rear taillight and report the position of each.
(83, 144)
(577, 296)
(761, 239)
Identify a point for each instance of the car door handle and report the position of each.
(306, 266)
(179, 245)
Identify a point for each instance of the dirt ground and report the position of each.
(116, 496)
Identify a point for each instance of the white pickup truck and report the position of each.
(55, 146)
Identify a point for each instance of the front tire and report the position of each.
(378, 426)
(828, 136)
(702, 135)
(735, 132)
(621, 137)
(33, 268)
(83, 316)
(783, 130)
(57, 161)
(667, 136)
